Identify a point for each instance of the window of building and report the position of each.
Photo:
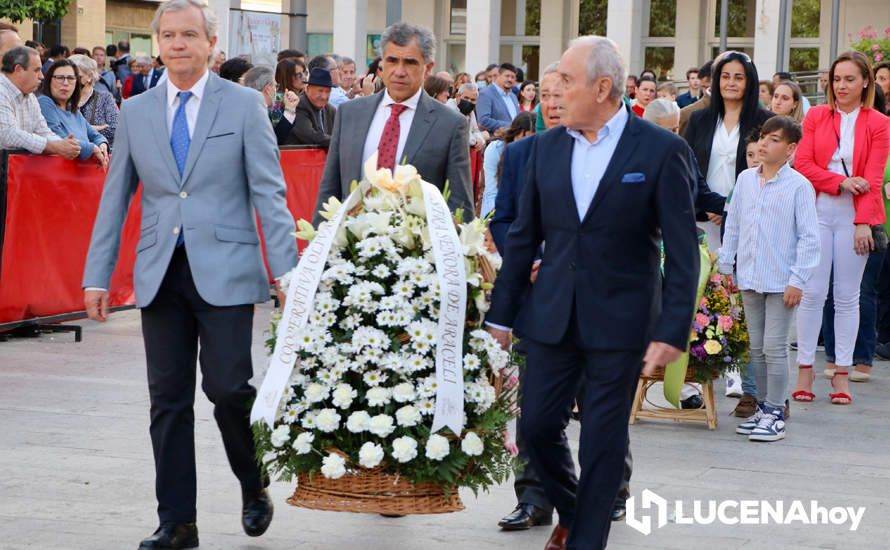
(592, 16)
(803, 59)
(458, 17)
(662, 18)
(319, 43)
(803, 53)
(140, 42)
(660, 60)
(740, 20)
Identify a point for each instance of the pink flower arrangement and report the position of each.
(876, 48)
(724, 322)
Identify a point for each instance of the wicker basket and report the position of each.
(373, 491)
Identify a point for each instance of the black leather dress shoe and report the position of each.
(692, 402)
(172, 536)
(619, 510)
(256, 515)
(525, 516)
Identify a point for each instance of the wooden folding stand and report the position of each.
(706, 415)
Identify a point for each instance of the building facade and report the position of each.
(667, 36)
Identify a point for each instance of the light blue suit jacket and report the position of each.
(232, 172)
(491, 113)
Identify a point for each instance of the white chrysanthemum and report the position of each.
(299, 379)
(471, 362)
(437, 447)
(291, 414)
(427, 387)
(497, 358)
(358, 422)
(381, 425)
(378, 397)
(374, 246)
(316, 392)
(472, 444)
(370, 455)
(333, 466)
(343, 395)
(421, 346)
(404, 449)
(308, 421)
(404, 392)
(328, 420)
(325, 377)
(303, 443)
(403, 289)
(426, 407)
(374, 377)
(369, 337)
(381, 271)
(408, 416)
(352, 321)
(280, 435)
(387, 318)
(416, 363)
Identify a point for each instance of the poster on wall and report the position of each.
(255, 35)
(373, 47)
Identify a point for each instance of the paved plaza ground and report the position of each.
(77, 470)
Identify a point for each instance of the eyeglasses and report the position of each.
(65, 78)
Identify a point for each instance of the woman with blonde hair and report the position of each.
(843, 152)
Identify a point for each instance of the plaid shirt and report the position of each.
(22, 125)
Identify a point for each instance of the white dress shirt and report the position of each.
(191, 108)
(590, 160)
(379, 121)
(721, 168)
(508, 101)
(845, 148)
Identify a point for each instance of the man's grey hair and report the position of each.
(604, 60)
(211, 23)
(660, 108)
(86, 65)
(346, 61)
(468, 87)
(20, 55)
(401, 34)
(259, 77)
(144, 59)
(550, 69)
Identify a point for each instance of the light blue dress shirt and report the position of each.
(509, 98)
(590, 160)
(772, 232)
(490, 162)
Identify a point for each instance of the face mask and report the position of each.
(465, 107)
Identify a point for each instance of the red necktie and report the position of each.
(389, 140)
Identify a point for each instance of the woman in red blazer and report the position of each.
(843, 153)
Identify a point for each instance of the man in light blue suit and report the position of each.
(207, 157)
(497, 105)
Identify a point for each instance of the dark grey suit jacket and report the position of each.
(437, 146)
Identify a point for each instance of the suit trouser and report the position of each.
(553, 372)
(172, 325)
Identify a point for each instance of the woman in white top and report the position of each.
(717, 134)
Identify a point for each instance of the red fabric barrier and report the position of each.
(51, 207)
(51, 204)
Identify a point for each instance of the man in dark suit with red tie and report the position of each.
(600, 191)
(401, 124)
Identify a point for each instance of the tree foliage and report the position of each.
(38, 10)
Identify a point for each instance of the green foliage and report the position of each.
(592, 17)
(19, 10)
(740, 20)
(805, 16)
(663, 19)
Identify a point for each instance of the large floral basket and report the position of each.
(357, 421)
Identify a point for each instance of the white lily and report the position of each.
(305, 230)
(387, 180)
(330, 208)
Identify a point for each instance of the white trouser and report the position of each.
(836, 229)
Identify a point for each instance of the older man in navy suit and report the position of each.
(600, 308)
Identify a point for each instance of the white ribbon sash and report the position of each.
(451, 273)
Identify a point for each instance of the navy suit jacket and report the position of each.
(491, 113)
(604, 270)
(513, 166)
(155, 75)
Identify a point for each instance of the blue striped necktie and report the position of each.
(180, 141)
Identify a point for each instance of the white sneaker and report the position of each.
(733, 384)
(771, 426)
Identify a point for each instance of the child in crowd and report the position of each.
(772, 235)
(667, 90)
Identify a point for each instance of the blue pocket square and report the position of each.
(633, 177)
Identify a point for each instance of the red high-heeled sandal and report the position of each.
(836, 398)
(804, 395)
